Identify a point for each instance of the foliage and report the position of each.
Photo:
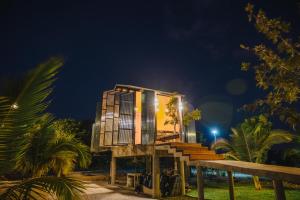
(219, 190)
(173, 114)
(20, 118)
(291, 155)
(277, 70)
(193, 115)
(63, 188)
(252, 140)
(68, 126)
(52, 147)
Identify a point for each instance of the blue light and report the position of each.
(214, 131)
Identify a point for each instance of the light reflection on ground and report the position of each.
(100, 191)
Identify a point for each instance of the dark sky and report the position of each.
(187, 46)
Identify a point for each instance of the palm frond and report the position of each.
(275, 137)
(16, 117)
(63, 188)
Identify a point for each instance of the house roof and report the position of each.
(143, 88)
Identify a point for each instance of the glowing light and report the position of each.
(15, 106)
(156, 104)
(214, 131)
(180, 106)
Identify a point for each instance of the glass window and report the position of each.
(126, 118)
(109, 125)
(148, 117)
(110, 99)
(108, 138)
(116, 111)
(109, 112)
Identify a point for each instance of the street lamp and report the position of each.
(215, 132)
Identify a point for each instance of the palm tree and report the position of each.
(251, 141)
(48, 149)
(20, 119)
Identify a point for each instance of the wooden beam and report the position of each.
(279, 190)
(231, 185)
(200, 183)
(274, 172)
(113, 170)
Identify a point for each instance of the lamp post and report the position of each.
(215, 132)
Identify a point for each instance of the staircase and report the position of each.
(189, 152)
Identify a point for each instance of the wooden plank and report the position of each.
(175, 144)
(205, 157)
(200, 183)
(182, 148)
(279, 190)
(291, 174)
(231, 185)
(202, 151)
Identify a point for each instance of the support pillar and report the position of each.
(148, 164)
(175, 165)
(113, 170)
(279, 190)
(231, 185)
(200, 183)
(182, 176)
(155, 176)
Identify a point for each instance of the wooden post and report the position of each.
(155, 176)
(231, 185)
(175, 165)
(148, 164)
(200, 183)
(279, 190)
(182, 176)
(113, 170)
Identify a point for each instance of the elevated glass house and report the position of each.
(130, 115)
(130, 122)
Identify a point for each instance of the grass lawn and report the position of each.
(244, 191)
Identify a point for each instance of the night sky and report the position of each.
(187, 46)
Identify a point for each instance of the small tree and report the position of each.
(173, 113)
(277, 70)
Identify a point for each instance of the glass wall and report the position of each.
(126, 118)
(148, 117)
